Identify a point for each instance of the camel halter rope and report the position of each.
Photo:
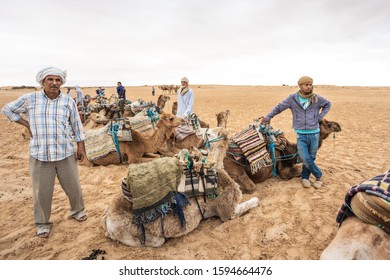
(208, 141)
(114, 134)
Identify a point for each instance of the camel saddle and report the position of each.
(152, 189)
(182, 131)
(199, 177)
(152, 182)
(369, 201)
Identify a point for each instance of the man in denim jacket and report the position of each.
(308, 110)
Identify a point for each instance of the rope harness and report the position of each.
(207, 141)
(114, 128)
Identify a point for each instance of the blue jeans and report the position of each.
(307, 145)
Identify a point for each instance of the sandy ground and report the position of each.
(291, 223)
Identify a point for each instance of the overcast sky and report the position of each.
(139, 42)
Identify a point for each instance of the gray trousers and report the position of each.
(43, 175)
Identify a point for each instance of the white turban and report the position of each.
(51, 71)
(184, 79)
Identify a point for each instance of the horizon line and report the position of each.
(156, 85)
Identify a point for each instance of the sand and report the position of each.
(291, 223)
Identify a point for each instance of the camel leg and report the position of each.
(86, 162)
(151, 155)
(239, 175)
(166, 152)
(246, 183)
(246, 206)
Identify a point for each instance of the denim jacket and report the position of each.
(303, 119)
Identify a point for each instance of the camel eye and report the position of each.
(171, 118)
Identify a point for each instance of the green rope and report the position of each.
(114, 134)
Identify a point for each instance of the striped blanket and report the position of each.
(378, 186)
(98, 143)
(253, 147)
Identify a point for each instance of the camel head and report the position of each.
(98, 118)
(327, 127)
(162, 100)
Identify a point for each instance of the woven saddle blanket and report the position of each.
(198, 185)
(150, 183)
(98, 143)
(253, 147)
(369, 201)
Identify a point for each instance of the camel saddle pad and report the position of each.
(182, 132)
(374, 197)
(137, 122)
(98, 143)
(372, 209)
(151, 182)
(196, 187)
(253, 147)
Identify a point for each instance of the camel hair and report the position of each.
(357, 240)
(96, 120)
(118, 217)
(133, 151)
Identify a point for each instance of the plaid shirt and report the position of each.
(52, 123)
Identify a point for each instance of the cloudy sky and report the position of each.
(251, 42)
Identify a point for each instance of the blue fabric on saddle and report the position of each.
(376, 187)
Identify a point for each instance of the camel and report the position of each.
(357, 240)
(364, 222)
(118, 217)
(166, 88)
(286, 169)
(222, 118)
(133, 151)
(162, 100)
(95, 120)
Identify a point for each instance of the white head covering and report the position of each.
(51, 71)
(184, 79)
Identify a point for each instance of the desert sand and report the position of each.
(291, 223)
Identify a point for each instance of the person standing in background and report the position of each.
(121, 91)
(185, 99)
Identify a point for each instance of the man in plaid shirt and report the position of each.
(52, 119)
